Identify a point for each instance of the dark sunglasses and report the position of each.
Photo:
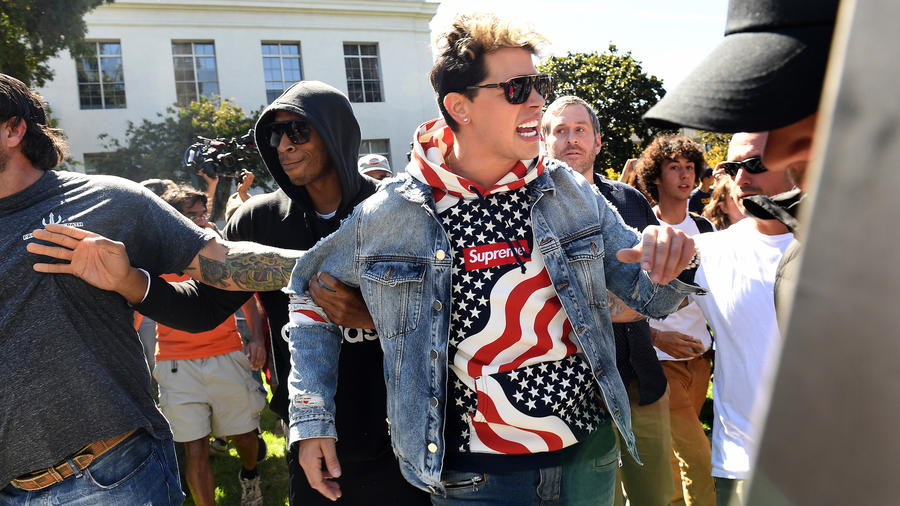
(752, 165)
(518, 89)
(297, 132)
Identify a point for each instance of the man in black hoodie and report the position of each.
(309, 140)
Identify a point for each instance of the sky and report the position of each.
(669, 38)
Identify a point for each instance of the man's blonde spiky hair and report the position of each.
(462, 46)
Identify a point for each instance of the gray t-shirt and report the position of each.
(72, 369)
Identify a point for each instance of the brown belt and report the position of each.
(56, 474)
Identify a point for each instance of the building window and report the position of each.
(377, 147)
(195, 71)
(101, 81)
(363, 72)
(281, 66)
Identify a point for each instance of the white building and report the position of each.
(151, 54)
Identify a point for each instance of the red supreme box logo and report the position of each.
(492, 255)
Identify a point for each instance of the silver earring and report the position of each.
(465, 120)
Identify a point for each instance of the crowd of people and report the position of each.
(496, 324)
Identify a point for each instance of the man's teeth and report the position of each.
(527, 129)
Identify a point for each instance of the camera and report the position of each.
(220, 157)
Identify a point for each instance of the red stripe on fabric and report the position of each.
(431, 176)
(571, 349)
(312, 315)
(492, 415)
(542, 329)
(512, 332)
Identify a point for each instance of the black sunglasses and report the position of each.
(753, 165)
(518, 89)
(297, 132)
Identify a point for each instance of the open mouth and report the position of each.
(529, 129)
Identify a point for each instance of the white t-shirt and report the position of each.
(738, 269)
(688, 320)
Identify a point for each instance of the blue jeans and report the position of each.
(586, 477)
(140, 470)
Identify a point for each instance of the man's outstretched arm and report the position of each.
(241, 266)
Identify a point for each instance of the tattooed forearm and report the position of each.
(244, 266)
(260, 271)
(619, 312)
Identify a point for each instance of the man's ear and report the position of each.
(457, 105)
(13, 131)
(598, 143)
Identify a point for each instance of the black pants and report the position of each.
(365, 483)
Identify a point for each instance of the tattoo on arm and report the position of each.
(252, 272)
(619, 311)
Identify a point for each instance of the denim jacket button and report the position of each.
(432, 448)
(440, 255)
(433, 354)
(437, 305)
(434, 402)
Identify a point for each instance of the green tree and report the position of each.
(620, 91)
(33, 31)
(716, 146)
(156, 149)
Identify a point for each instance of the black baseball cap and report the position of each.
(767, 73)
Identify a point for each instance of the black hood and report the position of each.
(329, 112)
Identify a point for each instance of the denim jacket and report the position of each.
(394, 248)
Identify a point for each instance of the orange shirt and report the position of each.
(172, 344)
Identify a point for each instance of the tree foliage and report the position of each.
(155, 149)
(619, 90)
(33, 31)
(716, 145)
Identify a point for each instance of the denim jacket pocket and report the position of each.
(585, 257)
(398, 285)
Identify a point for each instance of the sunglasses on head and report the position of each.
(297, 132)
(753, 165)
(518, 89)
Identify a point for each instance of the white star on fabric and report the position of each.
(507, 206)
(466, 216)
(455, 210)
(480, 237)
(519, 396)
(489, 227)
(468, 230)
(531, 404)
(547, 399)
(482, 301)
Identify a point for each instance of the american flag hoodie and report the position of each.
(518, 384)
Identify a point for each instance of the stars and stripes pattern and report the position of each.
(518, 384)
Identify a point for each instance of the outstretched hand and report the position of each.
(663, 252)
(95, 259)
(91, 257)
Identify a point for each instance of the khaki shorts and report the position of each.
(213, 395)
